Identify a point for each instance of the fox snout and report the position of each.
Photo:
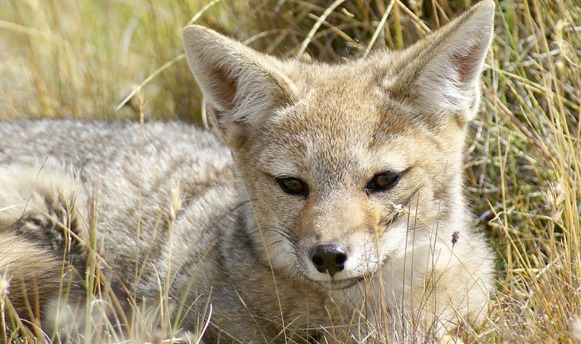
(336, 239)
(329, 259)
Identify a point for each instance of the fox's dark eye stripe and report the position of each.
(293, 186)
(383, 181)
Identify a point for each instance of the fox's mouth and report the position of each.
(337, 284)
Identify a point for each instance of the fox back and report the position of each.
(331, 206)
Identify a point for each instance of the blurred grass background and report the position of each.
(65, 58)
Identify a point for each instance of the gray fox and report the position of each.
(327, 205)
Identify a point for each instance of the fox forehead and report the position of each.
(320, 157)
(350, 152)
(342, 119)
(379, 67)
(353, 99)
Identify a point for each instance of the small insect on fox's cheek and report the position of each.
(377, 219)
(381, 220)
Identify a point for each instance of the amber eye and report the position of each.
(292, 186)
(382, 182)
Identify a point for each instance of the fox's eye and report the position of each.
(292, 186)
(382, 182)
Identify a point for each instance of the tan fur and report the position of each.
(173, 211)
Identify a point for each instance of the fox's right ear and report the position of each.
(240, 85)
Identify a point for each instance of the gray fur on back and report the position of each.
(140, 181)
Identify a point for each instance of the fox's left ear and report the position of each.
(444, 73)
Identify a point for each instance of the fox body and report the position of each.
(330, 206)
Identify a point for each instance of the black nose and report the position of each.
(329, 258)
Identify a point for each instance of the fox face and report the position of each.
(342, 164)
(330, 185)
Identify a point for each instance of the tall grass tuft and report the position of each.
(123, 60)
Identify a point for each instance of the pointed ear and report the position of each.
(444, 75)
(240, 85)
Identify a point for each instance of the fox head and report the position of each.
(341, 163)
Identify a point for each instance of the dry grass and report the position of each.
(80, 58)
